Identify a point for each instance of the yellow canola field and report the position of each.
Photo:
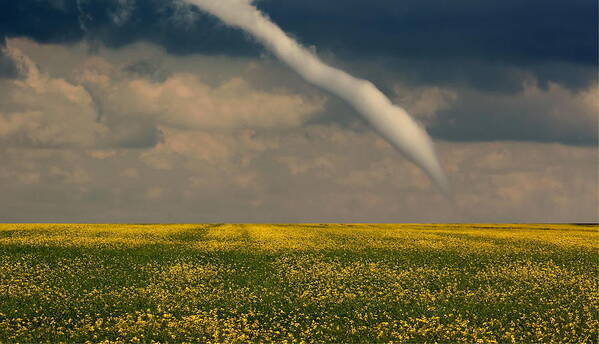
(298, 283)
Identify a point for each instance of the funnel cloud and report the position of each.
(392, 122)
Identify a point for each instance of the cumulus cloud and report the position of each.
(184, 101)
(105, 105)
(39, 110)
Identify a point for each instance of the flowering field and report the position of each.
(311, 283)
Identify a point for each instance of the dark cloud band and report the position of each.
(511, 30)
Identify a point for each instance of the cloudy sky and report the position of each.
(152, 111)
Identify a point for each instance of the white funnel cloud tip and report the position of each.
(392, 122)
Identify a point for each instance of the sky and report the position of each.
(153, 111)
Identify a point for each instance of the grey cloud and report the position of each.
(147, 69)
(298, 176)
(483, 75)
(552, 115)
(132, 133)
(8, 67)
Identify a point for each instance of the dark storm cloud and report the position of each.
(483, 122)
(481, 74)
(471, 42)
(524, 32)
(180, 29)
(429, 42)
(511, 30)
